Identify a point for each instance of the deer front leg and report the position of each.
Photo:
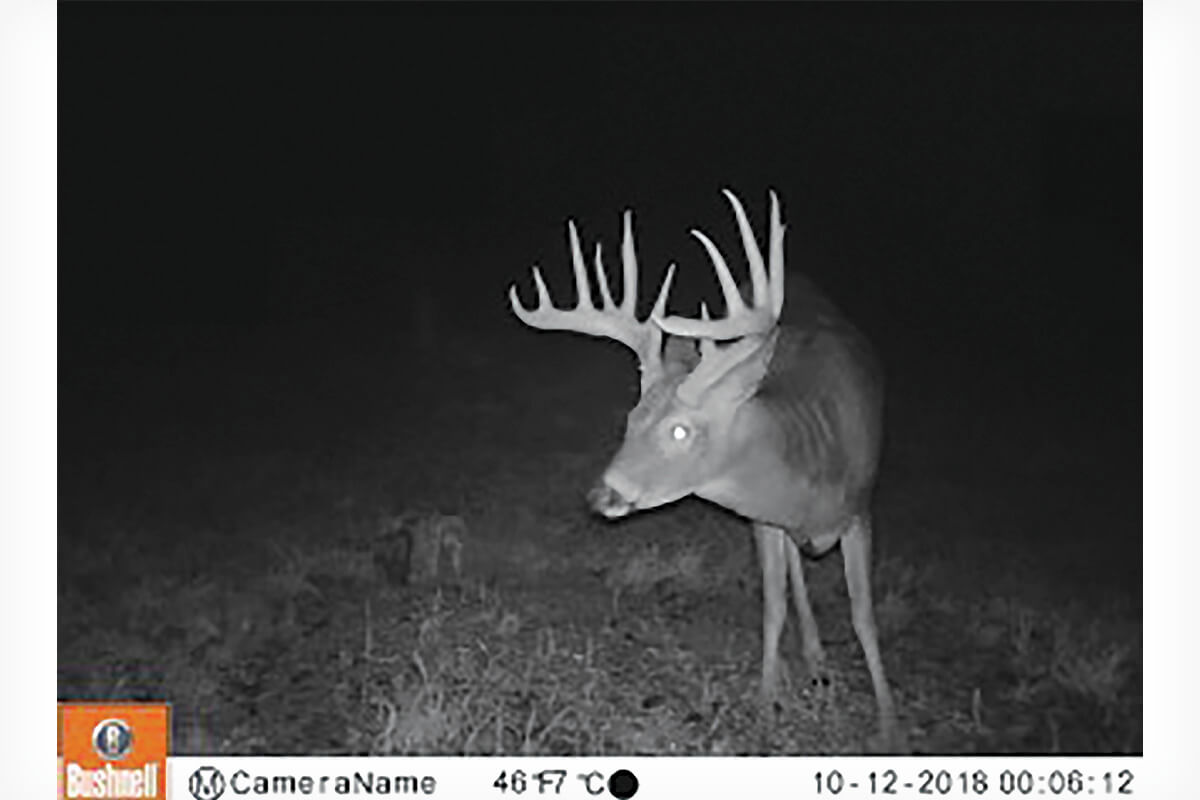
(856, 552)
(772, 557)
(814, 653)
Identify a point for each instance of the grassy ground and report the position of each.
(309, 552)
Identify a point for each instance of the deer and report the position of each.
(777, 420)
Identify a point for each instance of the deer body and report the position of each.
(781, 425)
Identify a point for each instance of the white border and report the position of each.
(718, 777)
(28, 381)
(1169, 388)
(28, 313)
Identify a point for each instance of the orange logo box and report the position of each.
(117, 752)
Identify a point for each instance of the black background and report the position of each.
(960, 177)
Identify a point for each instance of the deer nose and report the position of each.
(606, 500)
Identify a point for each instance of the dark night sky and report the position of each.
(961, 178)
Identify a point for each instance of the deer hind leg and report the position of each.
(810, 636)
(772, 557)
(856, 552)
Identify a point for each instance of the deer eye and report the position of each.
(679, 432)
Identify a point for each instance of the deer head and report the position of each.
(688, 429)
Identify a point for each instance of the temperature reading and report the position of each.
(546, 781)
(515, 782)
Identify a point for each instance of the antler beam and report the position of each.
(611, 320)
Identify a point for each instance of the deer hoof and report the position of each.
(820, 678)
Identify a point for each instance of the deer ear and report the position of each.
(681, 352)
(731, 374)
(743, 378)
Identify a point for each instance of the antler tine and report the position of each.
(654, 333)
(707, 346)
(733, 298)
(518, 307)
(602, 279)
(582, 289)
(629, 272)
(660, 305)
(630, 268)
(776, 257)
(758, 272)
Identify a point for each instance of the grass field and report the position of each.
(315, 549)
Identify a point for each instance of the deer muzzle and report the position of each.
(609, 501)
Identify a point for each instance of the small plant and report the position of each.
(1091, 668)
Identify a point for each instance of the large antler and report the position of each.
(753, 326)
(612, 321)
(767, 302)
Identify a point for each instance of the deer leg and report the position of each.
(810, 637)
(772, 557)
(856, 552)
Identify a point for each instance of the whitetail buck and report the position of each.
(781, 425)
